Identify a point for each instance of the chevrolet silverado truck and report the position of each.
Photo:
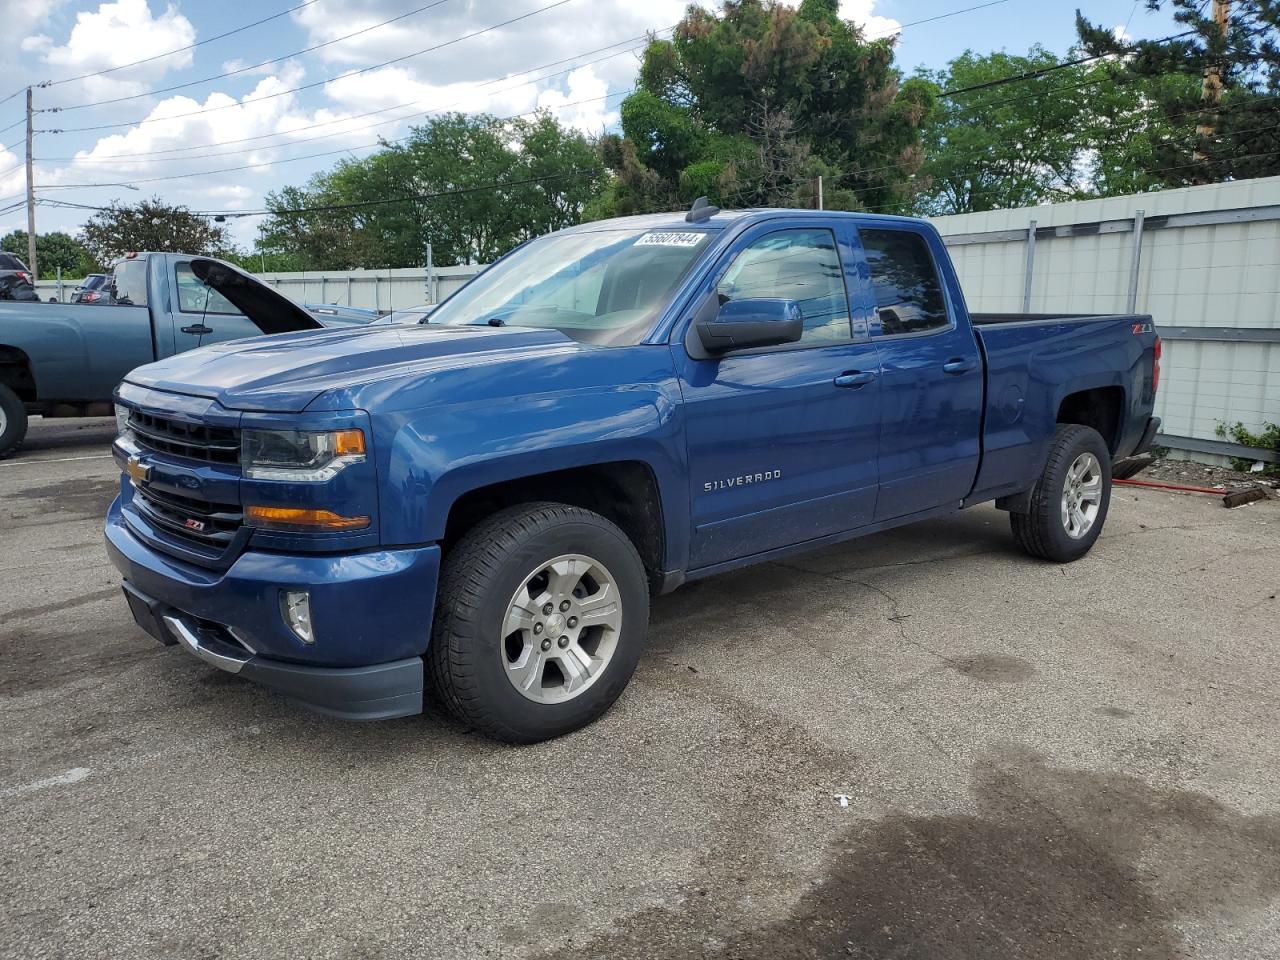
(478, 509)
(64, 360)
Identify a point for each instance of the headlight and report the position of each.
(122, 420)
(299, 455)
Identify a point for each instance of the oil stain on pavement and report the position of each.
(1055, 864)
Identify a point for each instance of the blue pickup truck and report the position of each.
(478, 509)
(64, 360)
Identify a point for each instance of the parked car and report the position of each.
(96, 288)
(333, 311)
(408, 315)
(484, 505)
(66, 361)
(16, 282)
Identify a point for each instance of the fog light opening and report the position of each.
(295, 606)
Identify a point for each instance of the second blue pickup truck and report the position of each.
(479, 508)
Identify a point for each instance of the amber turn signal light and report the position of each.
(348, 443)
(299, 518)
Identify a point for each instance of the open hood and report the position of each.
(268, 309)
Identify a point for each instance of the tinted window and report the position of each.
(9, 262)
(800, 265)
(908, 295)
(195, 297)
(129, 282)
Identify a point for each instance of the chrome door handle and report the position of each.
(854, 378)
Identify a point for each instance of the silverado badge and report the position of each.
(137, 470)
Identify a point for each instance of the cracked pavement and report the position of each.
(1040, 761)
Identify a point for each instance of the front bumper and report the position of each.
(371, 612)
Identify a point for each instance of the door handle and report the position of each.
(958, 366)
(198, 329)
(854, 378)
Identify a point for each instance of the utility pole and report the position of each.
(31, 202)
(1211, 88)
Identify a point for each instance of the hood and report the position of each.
(268, 309)
(283, 374)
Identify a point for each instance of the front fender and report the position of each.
(430, 458)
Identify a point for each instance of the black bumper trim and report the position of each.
(1148, 437)
(376, 692)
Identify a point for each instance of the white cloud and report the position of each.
(583, 107)
(860, 12)
(21, 18)
(1121, 32)
(116, 34)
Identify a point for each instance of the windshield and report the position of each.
(603, 287)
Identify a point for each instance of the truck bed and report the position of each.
(987, 319)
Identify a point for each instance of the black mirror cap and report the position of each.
(743, 324)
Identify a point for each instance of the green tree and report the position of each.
(53, 250)
(1059, 134)
(1240, 137)
(750, 105)
(151, 225)
(473, 187)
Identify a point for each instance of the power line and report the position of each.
(319, 83)
(190, 46)
(139, 157)
(240, 70)
(311, 156)
(1041, 71)
(941, 16)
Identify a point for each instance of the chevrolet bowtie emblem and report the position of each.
(137, 470)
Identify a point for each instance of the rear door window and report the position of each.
(904, 281)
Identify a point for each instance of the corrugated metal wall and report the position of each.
(1212, 288)
(373, 289)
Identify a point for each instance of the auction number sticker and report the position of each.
(670, 240)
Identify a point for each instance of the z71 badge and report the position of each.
(711, 486)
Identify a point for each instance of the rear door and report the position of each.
(782, 440)
(930, 372)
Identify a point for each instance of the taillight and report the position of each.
(89, 297)
(1155, 366)
(23, 276)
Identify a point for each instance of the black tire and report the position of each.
(481, 573)
(13, 422)
(1041, 531)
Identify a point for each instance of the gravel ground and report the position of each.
(921, 746)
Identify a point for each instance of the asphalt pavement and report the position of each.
(922, 744)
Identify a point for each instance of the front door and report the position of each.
(202, 315)
(782, 440)
(931, 378)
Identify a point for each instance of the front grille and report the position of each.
(198, 521)
(182, 438)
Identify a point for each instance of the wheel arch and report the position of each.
(17, 374)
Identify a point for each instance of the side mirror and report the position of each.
(740, 324)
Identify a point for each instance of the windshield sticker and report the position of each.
(670, 240)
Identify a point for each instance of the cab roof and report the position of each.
(675, 220)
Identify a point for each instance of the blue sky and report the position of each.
(182, 144)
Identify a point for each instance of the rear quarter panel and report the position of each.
(1033, 365)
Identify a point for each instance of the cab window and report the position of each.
(905, 283)
(195, 297)
(799, 265)
(129, 282)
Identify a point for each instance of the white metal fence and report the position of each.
(373, 289)
(1203, 261)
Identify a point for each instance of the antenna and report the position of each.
(701, 211)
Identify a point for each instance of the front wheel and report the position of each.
(1069, 502)
(541, 618)
(13, 421)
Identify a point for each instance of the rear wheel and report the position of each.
(1070, 500)
(540, 621)
(13, 421)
